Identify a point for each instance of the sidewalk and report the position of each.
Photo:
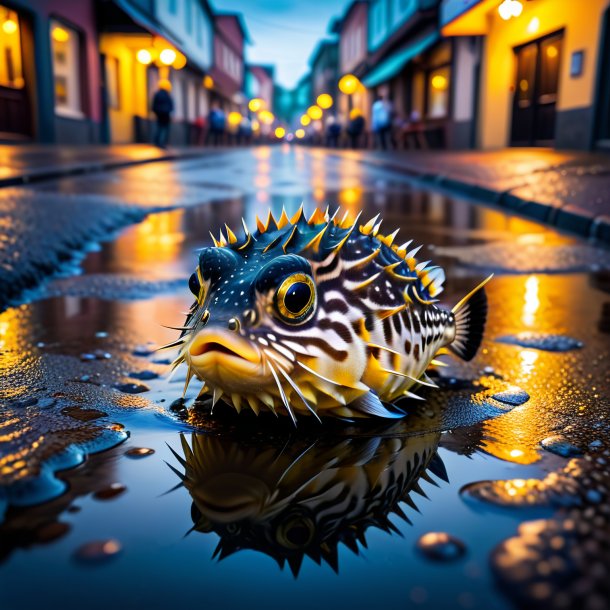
(568, 190)
(21, 164)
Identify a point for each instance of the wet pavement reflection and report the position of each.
(344, 510)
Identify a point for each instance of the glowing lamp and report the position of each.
(266, 117)
(167, 57)
(179, 62)
(280, 132)
(144, 56)
(305, 120)
(60, 35)
(255, 125)
(255, 104)
(533, 25)
(234, 118)
(315, 113)
(9, 26)
(516, 8)
(325, 101)
(439, 82)
(349, 84)
(208, 82)
(300, 133)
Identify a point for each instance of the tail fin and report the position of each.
(470, 316)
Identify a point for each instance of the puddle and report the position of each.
(342, 508)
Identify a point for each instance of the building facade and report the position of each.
(544, 69)
(352, 29)
(260, 84)
(49, 72)
(230, 38)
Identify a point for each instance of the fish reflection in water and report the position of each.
(306, 497)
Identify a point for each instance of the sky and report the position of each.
(284, 32)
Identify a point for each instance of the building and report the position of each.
(412, 65)
(49, 72)
(230, 38)
(352, 30)
(324, 64)
(259, 84)
(544, 70)
(142, 42)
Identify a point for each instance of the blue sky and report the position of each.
(284, 32)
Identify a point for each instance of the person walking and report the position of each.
(355, 127)
(333, 131)
(162, 106)
(381, 119)
(216, 125)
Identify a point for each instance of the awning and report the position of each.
(393, 64)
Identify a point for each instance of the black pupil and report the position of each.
(194, 284)
(297, 297)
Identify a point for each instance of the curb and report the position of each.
(92, 168)
(569, 218)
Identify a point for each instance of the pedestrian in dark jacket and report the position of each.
(163, 106)
(355, 127)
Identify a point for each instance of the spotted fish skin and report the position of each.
(319, 317)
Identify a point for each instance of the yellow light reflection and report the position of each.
(60, 35)
(528, 358)
(531, 301)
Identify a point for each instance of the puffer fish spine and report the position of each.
(372, 334)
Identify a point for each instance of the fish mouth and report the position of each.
(224, 357)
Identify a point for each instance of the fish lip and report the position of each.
(214, 343)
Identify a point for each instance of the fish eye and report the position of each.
(194, 284)
(296, 298)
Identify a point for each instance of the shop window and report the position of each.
(113, 97)
(11, 70)
(66, 70)
(437, 92)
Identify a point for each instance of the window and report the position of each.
(113, 98)
(438, 92)
(172, 6)
(66, 70)
(11, 71)
(188, 15)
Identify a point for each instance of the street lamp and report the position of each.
(300, 133)
(208, 82)
(349, 84)
(305, 120)
(60, 35)
(167, 56)
(9, 26)
(234, 118)
(315, 113)
(325, 101)
(266, 117)
(280, 132)
(255, 104)
(144, 56)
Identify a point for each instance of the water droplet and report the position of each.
(559, 445)
(143, 375)
(139, 452)
(513, 395)
(440, 546)
(100, 354)
(87, 357)
(101, 335)
(132, 388)
(98, 551)
(112, 491)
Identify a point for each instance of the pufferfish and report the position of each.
(320, 317)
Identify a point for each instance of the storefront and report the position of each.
(15, 113)
(538, 71)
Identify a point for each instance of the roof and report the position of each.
(320, 48)
(394, 63)
(239, 18)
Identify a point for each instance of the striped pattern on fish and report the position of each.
(320, 317)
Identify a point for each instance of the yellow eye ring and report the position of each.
(292, 299)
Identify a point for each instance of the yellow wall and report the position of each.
(581, 22)
(132, 83)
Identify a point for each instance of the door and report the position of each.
(536, 88)
(14, 107)
(601, 135)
